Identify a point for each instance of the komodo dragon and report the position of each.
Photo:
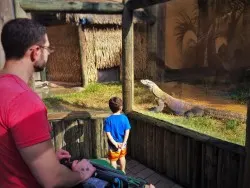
(182, 108)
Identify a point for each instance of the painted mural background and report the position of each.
(202, 51)
(207, 33)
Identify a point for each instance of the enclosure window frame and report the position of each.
(126, 9)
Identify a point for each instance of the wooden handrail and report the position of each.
(77, 115)
(71, 7)
(136, 4)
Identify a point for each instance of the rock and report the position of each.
(79, 89)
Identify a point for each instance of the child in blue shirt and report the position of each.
(117, 128)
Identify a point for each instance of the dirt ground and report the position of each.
(211, 96)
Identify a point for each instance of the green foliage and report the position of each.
(95, 96)
(240, 94)
(232, 124)
(52, 102)
(208, 126)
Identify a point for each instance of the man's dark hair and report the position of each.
(115, 103)
(19, 34)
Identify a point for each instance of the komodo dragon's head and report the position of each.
(150, 84)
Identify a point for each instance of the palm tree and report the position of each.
(216, 21)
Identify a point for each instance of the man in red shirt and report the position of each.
(27, 157)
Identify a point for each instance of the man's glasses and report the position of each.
(50, 49)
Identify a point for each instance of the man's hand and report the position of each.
(150, 186)
(85, 168)
(62, 154)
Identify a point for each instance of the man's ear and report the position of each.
(34, 53)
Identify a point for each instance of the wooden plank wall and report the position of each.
(83, 137)
(189, 158)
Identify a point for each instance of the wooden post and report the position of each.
(128, 59)
(82, 57)
(43, 75)
(20, 13)
(96, 135)
(6, 13)
(247, 149)
(136, 4)
(161, 41)
(152, 45)
(71, 7)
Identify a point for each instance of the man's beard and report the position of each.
(39, 66)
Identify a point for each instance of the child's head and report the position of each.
(115, 104)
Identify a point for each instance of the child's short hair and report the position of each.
(115, 104)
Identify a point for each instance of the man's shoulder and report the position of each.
(13, 88)
(12, 84)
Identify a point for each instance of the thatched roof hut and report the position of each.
(100, 42)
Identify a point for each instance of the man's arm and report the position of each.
(30, 131)
(44, 165)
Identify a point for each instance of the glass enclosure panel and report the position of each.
(197, 54)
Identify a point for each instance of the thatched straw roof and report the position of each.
(99, 19)
(140, 16)
(94, 18)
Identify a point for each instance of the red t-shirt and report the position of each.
(23, 122)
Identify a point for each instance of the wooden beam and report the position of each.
(127, 60)
(6, 14)
(19, 12)
(247, 149)
(135, 4)
(71, 7)
(145, 16)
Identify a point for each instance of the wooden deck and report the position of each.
(136, 169)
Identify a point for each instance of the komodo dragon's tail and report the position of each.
(223, 114)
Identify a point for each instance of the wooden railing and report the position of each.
(191, 159)
(80, 133)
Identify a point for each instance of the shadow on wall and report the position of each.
(81, 135)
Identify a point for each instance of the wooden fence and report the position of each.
(191, 159)
(79, 133)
